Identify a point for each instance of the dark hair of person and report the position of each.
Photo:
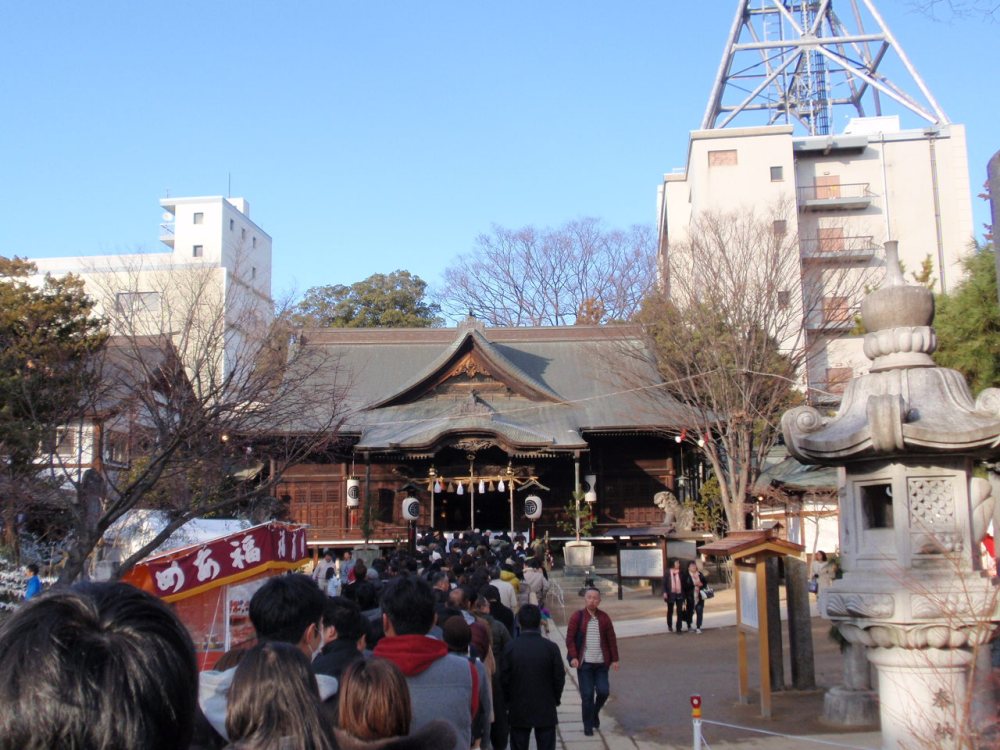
(102, 665)
(491, 592)
(284, 607)
(274, 701)
(529, 616)
(408, 602)
(457, 634)
(366, 595)
(33, 567)
(345, 616)
(374, 700)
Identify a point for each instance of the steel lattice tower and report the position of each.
(794, 61)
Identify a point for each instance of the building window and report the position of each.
(836, 310)
(777, 174)
(253, 242)
(725, 158)
(831, 239)
(780, 227)
(65, 441)
(232, 224)
(199, 217)
(253, 272)
(198, 251)
(837, 379)
(137, 302)
(784, 298)
(243, 233)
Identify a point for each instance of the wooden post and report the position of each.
(741, 643)
(762, 641)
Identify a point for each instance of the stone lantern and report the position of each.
(912, 516)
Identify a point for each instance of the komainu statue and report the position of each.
(675, 516)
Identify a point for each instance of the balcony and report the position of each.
(167, 234)
(834, 316)
(835, 197)
(835, 250)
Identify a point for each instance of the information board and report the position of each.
(644, 562)
(748, 599)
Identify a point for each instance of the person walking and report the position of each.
(34, 585)
(592, 649)
(676, 587)
(695, 601)
(533, 679)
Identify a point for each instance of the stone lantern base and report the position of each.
(924, 696)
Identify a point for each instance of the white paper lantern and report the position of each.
(353, 493)
(411, 509)
(532, 507)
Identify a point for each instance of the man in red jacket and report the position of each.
(592, 649)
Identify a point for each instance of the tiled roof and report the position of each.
(560, 383)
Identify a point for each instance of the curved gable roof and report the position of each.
(471, 340)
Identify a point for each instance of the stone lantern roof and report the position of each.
(905, 404)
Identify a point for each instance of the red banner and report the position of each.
(181, 573)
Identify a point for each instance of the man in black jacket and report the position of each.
(533, 680)
(344, 634)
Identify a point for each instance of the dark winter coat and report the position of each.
(533, 679)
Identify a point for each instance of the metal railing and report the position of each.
(841, 191)
(838, 249)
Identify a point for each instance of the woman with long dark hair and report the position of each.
(274, 702)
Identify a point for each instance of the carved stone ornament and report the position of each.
(860, 605)
(923, 636)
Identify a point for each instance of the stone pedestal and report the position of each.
(923, 694)
(853, 704)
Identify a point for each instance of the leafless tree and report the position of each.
(579, 272)
(204, 399)
(730, 338)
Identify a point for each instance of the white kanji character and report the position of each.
(250, 550)
(208, 568)
(172, 576)
(281, 544)
(237, 555)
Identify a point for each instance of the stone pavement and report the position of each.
(641, 615)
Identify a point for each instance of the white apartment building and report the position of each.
(210, 291)
(846, 195)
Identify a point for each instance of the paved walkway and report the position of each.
(638, 616)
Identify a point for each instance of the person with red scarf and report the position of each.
(441, 685)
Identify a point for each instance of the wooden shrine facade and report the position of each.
(471, 421)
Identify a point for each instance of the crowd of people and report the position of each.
(438, 649)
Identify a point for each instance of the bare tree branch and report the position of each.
(531, 277)
(730, 338)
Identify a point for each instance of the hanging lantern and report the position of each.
(437, 485)
(353, 492)
(590, 498)
(491, 488)
(460, 490)
(682, 437)
(589, 482)
(501, 486)
(532, 507)
(411, 509)
(449, 487)
(482, 487)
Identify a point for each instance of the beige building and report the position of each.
(842, 196)
(211, 291)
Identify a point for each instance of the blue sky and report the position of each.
(371, 136)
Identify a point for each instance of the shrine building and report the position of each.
(471, 421)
